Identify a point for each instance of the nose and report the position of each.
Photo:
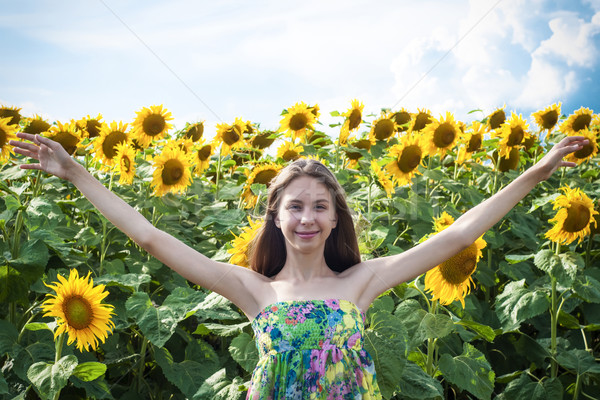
(307, 217)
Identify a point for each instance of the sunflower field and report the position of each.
(86, 313)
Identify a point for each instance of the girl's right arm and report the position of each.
(236, 283)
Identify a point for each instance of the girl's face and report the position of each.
(306, 215)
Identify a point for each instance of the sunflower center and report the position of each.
(578, 217)
(354, 119)
(549, 119)
(204, 152)
(262, 141)
(516, 136)
(78, 312)
(93, 128)
(582, 122)
(110, 143)
(459, 268)
(444, 135)
(402, 118)
(421, 121)
(298, 122)
(474, 143)
(172, 172)
(289, 155)
(195, 132)
(154, 124)
(37, 126)
(14, 115)
(384, 129)
(265, 176)
(410, 158)
(231, 137)
(585, 151)
(497, 119)
(67, 140)
(511, 162)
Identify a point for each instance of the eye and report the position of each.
(294, 207)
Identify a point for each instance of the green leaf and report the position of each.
(243, 350)
(37, 326)
(32, 260)
(470, 371)
(25, 356)
(435, 326)
(587, 288)
(8, 337)
(568, 321)
(386, 341)
(224, 330)
(50, 378)
(186, 375)
(526, 389)
(515, 258)
(88, 371)
(96, 389)
(129, 281)
(484, 331)
(411, 314)
(159, 323)
(219, 387)
(580, 361)
(218, 307)
(3, 385)
(416, 384)
(562, 267)
(517, 303)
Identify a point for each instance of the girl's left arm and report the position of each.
(384, 273)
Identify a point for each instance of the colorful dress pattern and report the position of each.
(312, 349)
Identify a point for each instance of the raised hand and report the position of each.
(52, 158)
(554, 159)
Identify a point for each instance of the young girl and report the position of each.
(308, 290)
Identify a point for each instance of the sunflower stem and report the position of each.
(57, 356)
(431, 343)
(142, 362)
(553, 323)
(217, 176)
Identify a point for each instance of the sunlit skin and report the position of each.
(306, 216)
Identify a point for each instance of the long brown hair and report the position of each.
(267, 253)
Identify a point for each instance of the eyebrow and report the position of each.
(300, 201)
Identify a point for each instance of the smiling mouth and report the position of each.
(307, 235)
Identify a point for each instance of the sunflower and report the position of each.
(171, 171)
(262, 140)
(580, 119)
(105, 145)
(547, 118)
(36, 125)
(239, 246)
(407, 156)
(496, 118)
(231, 136)
(588, 151)
(260, 174)
(184, 144)
(441, 135)
(382, 178)
(289, 151)
(472, 140)
(194, 131)
(91, 126)
(421, 120)
(66, 134)
(7, 133)
(383, 128)
(402, 119)
(151, 124)
(510, 162)
(574, 217)
(125, 163)
(354, 156)
(452, 279)
(315, 110)
(12, 113)
(297, 119)
(201, 153)
(513, 133)
(78, 309)
(353, 120)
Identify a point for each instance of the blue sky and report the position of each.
(217, 60)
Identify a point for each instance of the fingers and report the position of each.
(30, 166)
(23, 145)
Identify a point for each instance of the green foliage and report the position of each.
(529, 329)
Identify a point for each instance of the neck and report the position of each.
(304, 267)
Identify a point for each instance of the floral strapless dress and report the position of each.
(312, 349)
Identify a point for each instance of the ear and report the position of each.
(276, 221)
(334, 220)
